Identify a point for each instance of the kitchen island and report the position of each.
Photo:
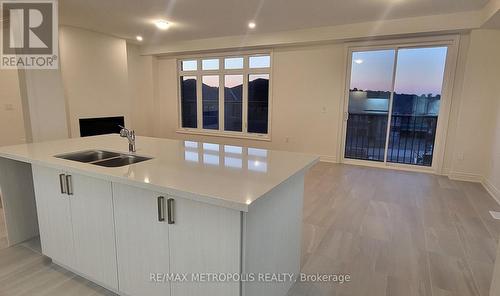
(192, 218)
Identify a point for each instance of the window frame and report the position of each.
(221, 72)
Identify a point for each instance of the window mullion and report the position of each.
(221, 102)
(244, 120)
(199, 101)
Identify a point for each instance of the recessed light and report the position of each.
(252, 25)
(162, 24)
(139, 38)
(358, 61)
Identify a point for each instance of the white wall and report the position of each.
(44, 106)
(307, 87)
(491, 69)
(472, 146)
(451, 135)
(490, 44)
(11, 112)
(493, 171)
(93, 81)
(95, 77)
(141, 88)
(492, 175)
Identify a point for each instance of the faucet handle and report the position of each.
(123, 131)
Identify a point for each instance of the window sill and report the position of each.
(224, 134)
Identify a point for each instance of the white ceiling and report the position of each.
(195, 19)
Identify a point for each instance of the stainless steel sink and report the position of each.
(103, 158)
(121, 161)
(89, 155)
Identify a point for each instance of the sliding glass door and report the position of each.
(369, 97)
(393, 106)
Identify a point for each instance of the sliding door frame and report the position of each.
(449, 41)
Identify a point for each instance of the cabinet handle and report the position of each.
(161, 208)
(62, 183)
(69, 184)
(170, 210)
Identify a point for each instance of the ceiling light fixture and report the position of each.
(139, 38)
(252, 25)
(358, 61)
(162, 24)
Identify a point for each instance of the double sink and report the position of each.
(103, 158)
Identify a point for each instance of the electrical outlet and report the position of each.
(287, 140)
(8, 107)
(460, 156)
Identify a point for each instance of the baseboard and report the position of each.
(327, 158)
(445, 172)
(492, 190)
(488, 186)
(468, 177)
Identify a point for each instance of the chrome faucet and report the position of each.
(130, 135)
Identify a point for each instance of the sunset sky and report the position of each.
(419, 70)
(236, 63)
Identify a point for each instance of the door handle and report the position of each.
(69, 184)
(170, 211)
(161, 208)
(62, 183)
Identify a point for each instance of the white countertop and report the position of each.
(224, 175)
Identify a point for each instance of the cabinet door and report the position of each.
(141, 240)
(204, 239)
(54, 216)
(93, 229)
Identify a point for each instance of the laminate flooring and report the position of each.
(396, 233)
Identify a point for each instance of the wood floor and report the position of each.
(395, 233)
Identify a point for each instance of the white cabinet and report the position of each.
(93, 229)
(200, 239)
(54, 216)
(118, 235)
(204, 239)
(75, 215)
(141, 240)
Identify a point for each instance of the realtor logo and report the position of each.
(29, 34)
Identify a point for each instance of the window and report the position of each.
(233, 102)
(233, 63)
(260, 62)
(210, 95)
(212, 64)
(188, 101)
(226, 95)
(189, 65)
(258, 102)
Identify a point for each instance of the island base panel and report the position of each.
(272, 231)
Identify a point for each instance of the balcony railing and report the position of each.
(411, 138)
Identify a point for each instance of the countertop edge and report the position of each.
(243, 207)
